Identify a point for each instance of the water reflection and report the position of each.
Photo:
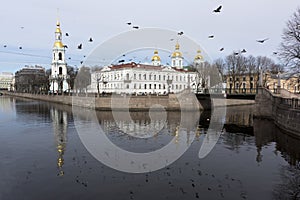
(60, 125)
(41, 142)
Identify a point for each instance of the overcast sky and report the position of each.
(238, 26)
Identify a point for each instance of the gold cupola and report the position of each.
(58, 37)
(176, 53)
(198, 56)
(156, 56)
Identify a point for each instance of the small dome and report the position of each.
(57, 27)
(176, 53)
(156, 56)
(198, 56)
(58, 44)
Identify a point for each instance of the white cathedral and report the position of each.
(143, 79)
(59, 77)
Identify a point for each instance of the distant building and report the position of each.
(6, 80)
(31, 79)
(241, 83)
(287, 81)
(59, 77)
(143, 79)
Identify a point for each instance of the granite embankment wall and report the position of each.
(284, 109)
(172, 102)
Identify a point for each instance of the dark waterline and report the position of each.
(42, 157)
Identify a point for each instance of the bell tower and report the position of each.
(59, 76)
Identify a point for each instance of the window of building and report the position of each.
(150, 77)
(179, 62)
(244, 85)
(140, 76)
(154, 77)
(173, 62)
(145, 86)
(164, 77)
(230, 79)
(251, 78)
(237, 85)
(127, 86)
(149, 86)
(159, 77)
(127, 76)
(59, 56)
(134, 76)
(60, 70)
(154, 86)
(237, 79)
(244, 78)
(159, 86)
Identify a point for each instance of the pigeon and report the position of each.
(180, 33)
(211, 36)
(121, 61)
(91, 39)
(20, 48)
(81, 62)
(79, 46)
(218, 9)
(236, 53)
(222, 49)
(67, 34)
(135, 27)
(65, 46)
(262, 41)
(275, 53)
(243, 51)
(128, 23)
(5, 46)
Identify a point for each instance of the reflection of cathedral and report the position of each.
(60, 125)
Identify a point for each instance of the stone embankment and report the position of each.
(283, 108)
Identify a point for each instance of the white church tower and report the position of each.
(59, 76)
(177, 59)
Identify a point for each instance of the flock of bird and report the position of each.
(180, 33)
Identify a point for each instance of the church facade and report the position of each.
(144, 79)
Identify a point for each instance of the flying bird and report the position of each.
(79, 46)
(211, 36)
(235, 53)
(218, 9)
(65, 46)
(121, 61)
(81, 62)
(67, 34)
(22, 27)
(136, 27)
(128, 23)
(91, 39)
(5, 46)
(180, 33)
(262, 41)
(69, 58)
(20, 48)
(243, 51)
(171, 39)
(275, 53)
(222, 49)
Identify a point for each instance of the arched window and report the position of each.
(59, 56)
(60, 70)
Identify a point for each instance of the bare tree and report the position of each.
(290, 46)
(236, 66)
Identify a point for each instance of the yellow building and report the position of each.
(241, 83)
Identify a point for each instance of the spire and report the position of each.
(177, 53)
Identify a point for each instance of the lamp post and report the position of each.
(278, 83)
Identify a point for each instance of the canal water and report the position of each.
(43, 155)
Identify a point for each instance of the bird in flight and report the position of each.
(275, 53)
(121, 61)
(128, 23)
(79, 46)
(81, 62)
(217, 10)
(222, 49)
(91, 39)
(236, 53)
(136, 27)
(22, 27)
(243, 51)
(171, 39)
(67, 34)
(211, 36)
(262, 41)
(180, 33)
(20, 48)
(65, 46)
(5, 46)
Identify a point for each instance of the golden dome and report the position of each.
(57, 27)
(58, 44)
(156, 56)
(199, 56)
(176, 53)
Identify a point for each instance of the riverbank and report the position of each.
(171, 102)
